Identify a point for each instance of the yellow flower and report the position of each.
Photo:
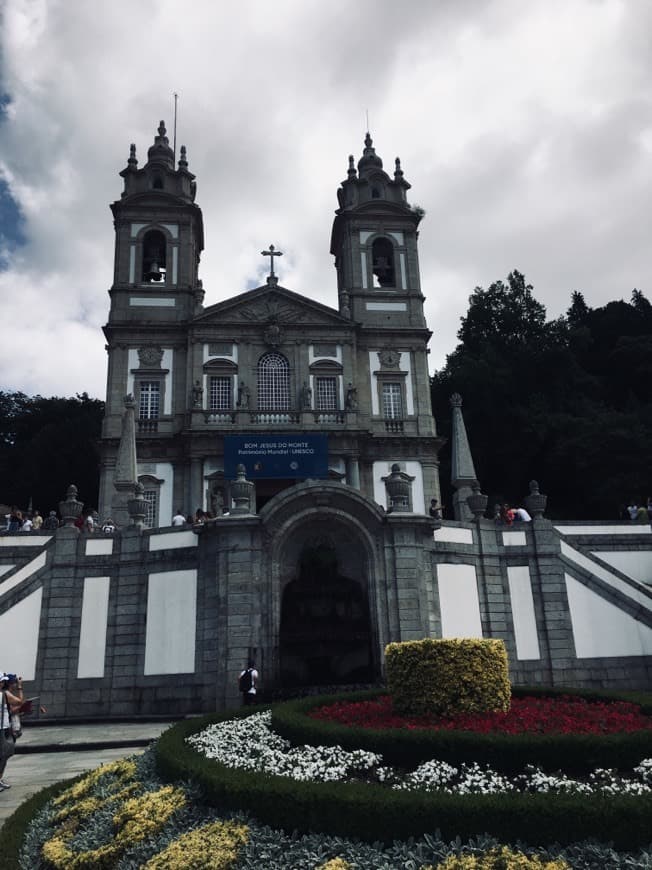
(335, 864)
(123, 769)
(212, 847)
(499, 858)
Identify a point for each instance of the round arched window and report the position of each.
(273, 382)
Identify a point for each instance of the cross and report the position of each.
(271, 254)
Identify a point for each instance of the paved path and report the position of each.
(49, 753)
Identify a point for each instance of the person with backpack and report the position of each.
(247, 683)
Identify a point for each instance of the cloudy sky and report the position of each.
(525, 130)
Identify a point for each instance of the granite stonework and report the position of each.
(221, 601)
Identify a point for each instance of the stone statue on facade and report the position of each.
(244, 396)
(305, 397)
(197, 395)
(351, 398)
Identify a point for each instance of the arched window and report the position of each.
(154, 256)
(382, 258)
(273, 382)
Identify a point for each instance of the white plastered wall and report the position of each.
(171, 622)
(458, 601)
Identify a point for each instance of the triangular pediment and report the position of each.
(266, 304)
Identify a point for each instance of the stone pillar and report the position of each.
(196, 488)
(353, 472)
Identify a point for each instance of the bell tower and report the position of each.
(159, 237)
(374, 241)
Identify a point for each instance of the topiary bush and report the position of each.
(448, 676)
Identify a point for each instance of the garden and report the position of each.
(448, 773)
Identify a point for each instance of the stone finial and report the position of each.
(535, 502)
(463, 476)
(398, 172)
(162, 131)
(399, 489)
(137, 507)
(351, 170)
(241, 491)
(71, 508)
(183, 159)
(129, 401)
(477, 501)
(455, 400)
(132, 163)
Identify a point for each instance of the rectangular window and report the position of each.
(151, 508)
(149, 400)
(392, 401)
(220, 394)
(326, 394)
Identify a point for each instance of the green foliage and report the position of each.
(567, 402)
(45, 445)
(448, 676)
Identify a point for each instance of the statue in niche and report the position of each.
(244, 396)
(351, 398)
(305, 397)
(197, 395)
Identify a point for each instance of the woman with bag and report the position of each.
(7, 738)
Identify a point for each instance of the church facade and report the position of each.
(267, 363)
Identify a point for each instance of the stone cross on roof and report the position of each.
(271, 254)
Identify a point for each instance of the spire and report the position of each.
(125, 475)
(369, 159)
(160, 151)
(463, 476)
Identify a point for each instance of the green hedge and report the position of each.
(374, 813)
(507, 753)
(447, 675)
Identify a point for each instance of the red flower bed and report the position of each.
(560, 715)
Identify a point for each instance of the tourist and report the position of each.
(632, 510)
(435, 510)
(521, 515)
(51, 522)
(506, 515)
(27, 525)
(10, 701)
(247, 683)
(37, 521)
(109, 526)
(642, 515)
(15, 520)
(178, 519)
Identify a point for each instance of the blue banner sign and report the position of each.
(276, 456)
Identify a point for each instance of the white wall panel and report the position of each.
(171, 623)
(173, 540)
(92, 635)
(602, 629)
(458, 601)
(99, 546)
(19, 636)
(525, 624)
(634, 563)
(453, 535)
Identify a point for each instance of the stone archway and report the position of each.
(325, 631)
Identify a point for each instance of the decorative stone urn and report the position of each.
(70, 509)
(241, 491)
(477, 502)
(137, 507)
(535, 503)
(399, 487)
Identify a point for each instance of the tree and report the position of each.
(568, 402)
(506, 314)
(47, 444)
